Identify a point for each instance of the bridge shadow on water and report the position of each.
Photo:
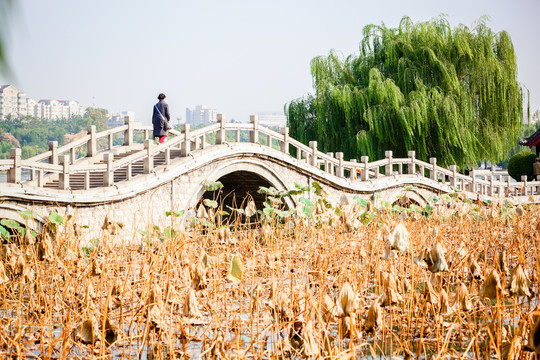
(239, 187)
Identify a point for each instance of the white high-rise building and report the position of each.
(201, 115)
(12, 102)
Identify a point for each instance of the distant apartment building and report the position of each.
(12, 102)
(201, 115)
(15, 103)
(272, 119)
(118, 119)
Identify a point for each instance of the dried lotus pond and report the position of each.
(455, 279)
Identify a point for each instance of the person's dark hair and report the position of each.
(161, 96)
(537, 159)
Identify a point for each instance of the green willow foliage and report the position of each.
(446, 93)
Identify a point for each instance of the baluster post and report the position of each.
(108, 176)
(491, 190)
(524, 181)
(254, 133)
(285, 141)
(63, 177)
(313, 155)
(220, 136)
(87, 180)
(473, 178)
(92, 143)
(186, 144)
(149, 160)
(14, 173)
(73, 155)
(167, 156)
(111, 141)
(40, 178)
(412, 166)
(53, 147)
(128, 134)
(433, 170)
(365, 174)
(453, 169)
(328, 164)
(129, 171)
(389, 157)
(339, 157)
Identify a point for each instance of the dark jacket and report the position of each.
(158, 121)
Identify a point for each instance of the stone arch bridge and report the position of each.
(123, 174)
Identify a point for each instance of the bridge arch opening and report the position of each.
(238, 188)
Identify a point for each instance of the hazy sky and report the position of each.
(240, 57)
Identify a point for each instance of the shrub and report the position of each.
(521, 164)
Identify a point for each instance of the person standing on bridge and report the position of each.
(161, 118)
(536, 169)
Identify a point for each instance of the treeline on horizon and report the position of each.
(33, 134)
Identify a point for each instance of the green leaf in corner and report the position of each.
(236, 270)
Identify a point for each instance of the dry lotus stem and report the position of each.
(501, 262)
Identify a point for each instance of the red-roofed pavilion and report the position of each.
(533, 140)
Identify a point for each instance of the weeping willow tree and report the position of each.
(4, 9)
(446, 93)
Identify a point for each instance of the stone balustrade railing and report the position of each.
(74, 158)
